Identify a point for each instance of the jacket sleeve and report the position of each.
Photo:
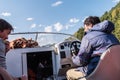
(84, 53)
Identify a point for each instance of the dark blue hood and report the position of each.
(105, 26)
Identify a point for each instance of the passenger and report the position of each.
(5, 30)
(97, 39)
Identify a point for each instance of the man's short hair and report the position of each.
(5, 25)
(92, 20)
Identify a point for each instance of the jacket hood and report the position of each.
(105, 26)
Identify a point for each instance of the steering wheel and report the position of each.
(74, 47)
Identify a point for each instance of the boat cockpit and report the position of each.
(48, 59)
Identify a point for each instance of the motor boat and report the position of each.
(49, 60)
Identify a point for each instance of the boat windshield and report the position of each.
(43, 38)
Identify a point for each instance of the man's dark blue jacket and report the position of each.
(98, 39)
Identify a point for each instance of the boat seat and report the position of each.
(108, 67)
(4, 74)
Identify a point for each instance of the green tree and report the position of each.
(79, 34)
